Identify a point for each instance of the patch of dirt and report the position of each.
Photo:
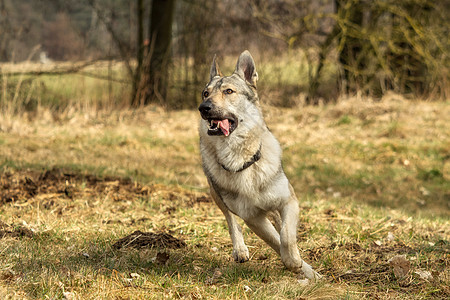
(398, 247)
(372, 275)
(353, 247)
(14, 231)
(140, 240)
(26, 185)
(162, 258)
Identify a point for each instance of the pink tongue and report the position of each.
(224, 125)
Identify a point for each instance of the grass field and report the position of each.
(372, 178)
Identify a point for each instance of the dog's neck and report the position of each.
(247, 164)
(240, 150)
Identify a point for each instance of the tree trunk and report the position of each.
(140, 48)
(325, 48)
(154, 81)
(350, 12)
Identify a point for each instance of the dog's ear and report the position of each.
(214, 69)
(246, 69)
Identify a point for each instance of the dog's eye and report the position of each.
(205, 94)
(229, 91)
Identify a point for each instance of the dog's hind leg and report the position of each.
(240, 250)
(288, 236)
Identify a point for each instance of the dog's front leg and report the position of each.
(265, 230)
(240, 250)
(288, 236)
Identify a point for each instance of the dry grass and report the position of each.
(62, 87)
(372, 178)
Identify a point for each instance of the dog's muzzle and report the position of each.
(218, 124)
(205, 108)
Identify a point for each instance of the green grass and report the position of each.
(344, 120)
(372, 180)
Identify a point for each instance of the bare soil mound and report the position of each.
(25, 185)
(14, 231)
(139, 240)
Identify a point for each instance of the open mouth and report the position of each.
(221, 126)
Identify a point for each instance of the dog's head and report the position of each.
(226, 99)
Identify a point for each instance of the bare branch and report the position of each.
(74, 69)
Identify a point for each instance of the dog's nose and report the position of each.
(205, 107)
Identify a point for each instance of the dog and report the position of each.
(242, 162)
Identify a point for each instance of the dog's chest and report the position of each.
(260, 187)
(247, 195)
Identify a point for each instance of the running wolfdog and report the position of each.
(242, 162)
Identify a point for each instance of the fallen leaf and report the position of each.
(400, 265)
(425, 275)
(68, 295)
(262, 257)
(214, 277)
(390, 236)
(7, 276)
(424, 191)
(337, 195)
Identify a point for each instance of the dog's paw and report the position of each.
(309, 272)
(241, 255)
(292, 263)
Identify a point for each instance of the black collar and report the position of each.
(247, 164)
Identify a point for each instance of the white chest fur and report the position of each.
(258, 188)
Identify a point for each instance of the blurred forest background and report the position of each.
(99, 138)
(143, 51)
